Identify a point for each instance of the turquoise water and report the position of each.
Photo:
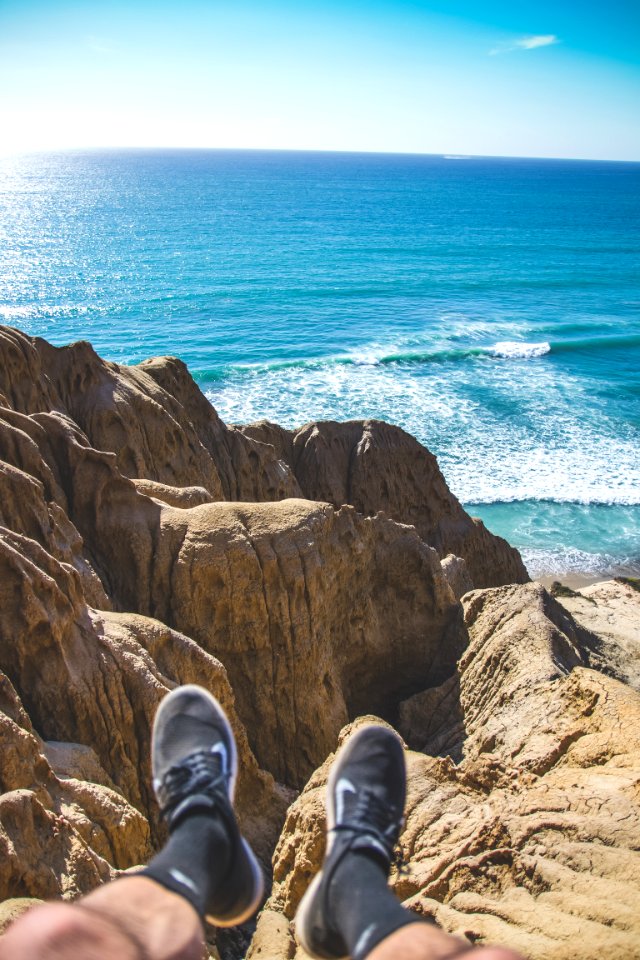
(491, 307)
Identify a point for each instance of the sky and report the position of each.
(541, 79)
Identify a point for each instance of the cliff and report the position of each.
(377, 467)
(523, 809)
(306, 578)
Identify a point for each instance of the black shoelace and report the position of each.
(201, 772)
(372, 817)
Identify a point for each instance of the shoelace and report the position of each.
(371, 816)
(200, 772)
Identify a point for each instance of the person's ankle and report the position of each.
(357, 868)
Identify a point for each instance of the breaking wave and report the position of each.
(514, 350)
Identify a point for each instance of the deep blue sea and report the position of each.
(489, 306)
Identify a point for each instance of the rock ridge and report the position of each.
(523, 808)
(307, 578)
(144, 543)
(377, 467)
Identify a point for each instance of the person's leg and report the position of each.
(131, 919)
(423, 941)
(349, 909)
(206, 869)
(195, 766)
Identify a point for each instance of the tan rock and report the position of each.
(98, 828)
(313, 611)
(247, 469)
(316, 613)
(152, 417)
(11, 910)
(76, 761)
(109, 478)
(55, 835)
(41, 852)
(123, 410)
(378, 467)
(25, 385)
(457, 575)
(33, 503)
(183, 497)
(112, 685)
(610, 611)
(531, 840)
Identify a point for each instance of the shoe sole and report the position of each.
(258, 878)
(251, 909)
(307, 901)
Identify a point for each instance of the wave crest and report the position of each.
(517, 350)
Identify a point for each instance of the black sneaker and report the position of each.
(365, 804)
(195, 765)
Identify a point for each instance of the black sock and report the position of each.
(363, 908)
(194, 860)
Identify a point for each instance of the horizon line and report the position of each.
(445, 155)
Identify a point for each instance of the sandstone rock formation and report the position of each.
(142, 544)
(305, 578)
(457, 575)
(153, 417)
(609, 613)
(378, 467)
(523, 811)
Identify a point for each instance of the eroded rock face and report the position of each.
(531, 840)
(609, 613)
(247, 468)
(125, 568)
(144, 544)
(152, 417)
(113, 669)
(457, 575)
(82, 683)
(316, 613)
(378, 467)
(57, 835)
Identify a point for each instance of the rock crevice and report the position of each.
(306, 578)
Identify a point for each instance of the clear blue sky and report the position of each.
(508, 78)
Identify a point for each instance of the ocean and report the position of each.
(491, 307)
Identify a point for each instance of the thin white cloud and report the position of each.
(541, 40)
(526, 43)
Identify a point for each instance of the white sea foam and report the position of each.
(577, 465)
(369, 357)
(541, 451)
(365, 361)
(516, 350)
(552, 563)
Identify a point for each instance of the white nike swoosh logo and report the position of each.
(343, 786)
(184, 880)
(220, 749)
(360, 946)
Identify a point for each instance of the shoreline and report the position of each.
(577, 580)
(574, 581)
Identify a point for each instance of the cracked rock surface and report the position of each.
(523, 808)
(143, 543)
(307, 578)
